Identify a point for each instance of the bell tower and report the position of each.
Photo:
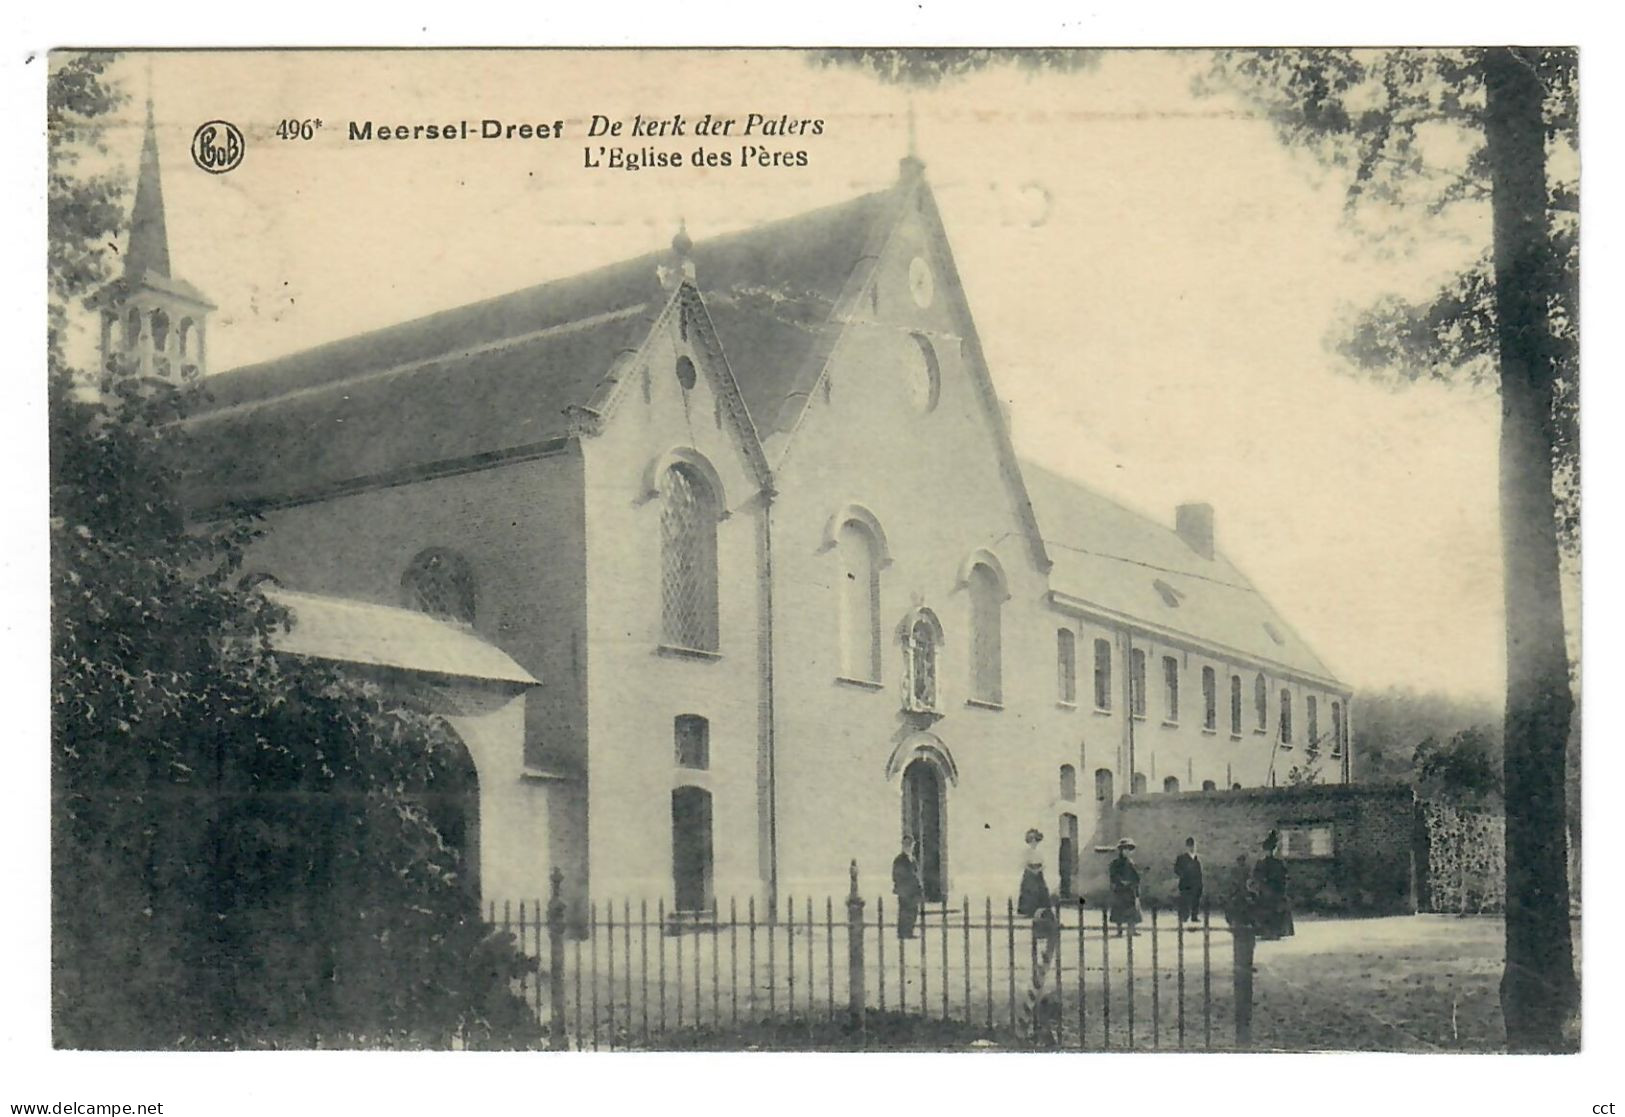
(152, 323)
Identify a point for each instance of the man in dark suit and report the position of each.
(905, 882)
(1188, 870)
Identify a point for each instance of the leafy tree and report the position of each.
(1464, 769)
(1391, 723)
(1423, 132)
(243, 844)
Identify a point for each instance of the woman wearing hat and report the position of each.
(1125, 882)
(1269, 883)
(1034, 896)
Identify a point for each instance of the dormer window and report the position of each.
(1170, 596)
(1274, 633)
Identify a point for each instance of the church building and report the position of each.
(723, 565)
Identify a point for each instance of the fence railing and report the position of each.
(636, 975)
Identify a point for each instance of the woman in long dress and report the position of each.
(1034, 896)
(1269, 884)
(1125, 883)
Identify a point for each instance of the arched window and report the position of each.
(1170, 687)
(692, 735)
(1066, 666)
(1286, 716)
(1235, 705)
(439, 581)
(1311, 723)
(1103, 785)
(688, 560)
(1337, 729)
(183, 336)
(986, 593)
(922, 638)
(1209, 785)
(1136, 683)
(1103, 675)
(132, 327)
(1210, 698)
(859, 593)
(1069, 782)
(1137, 785)
(160, 330)
(1261, 702)
(1170, 786)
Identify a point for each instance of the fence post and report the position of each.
(1241, 973)
(856, 996)
(555, 942)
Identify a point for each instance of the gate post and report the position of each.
(1241, 977)
(555, 967)
(856, 998)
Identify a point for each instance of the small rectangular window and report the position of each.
(1103, 675)
(1306, 840)
(1103, 785)
(1170, 685)
(1066, 666)
(693, 734)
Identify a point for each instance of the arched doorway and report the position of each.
(452, 801)
(924, 818)
(1067, 872)
(691, 848)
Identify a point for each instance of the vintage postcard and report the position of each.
(857, 550)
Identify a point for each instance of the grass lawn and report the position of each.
(1423, 983)
(1412, 983)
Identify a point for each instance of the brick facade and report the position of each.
(1370, 867)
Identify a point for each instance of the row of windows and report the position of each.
(440, 582)
(859, 625)
(1066, 671)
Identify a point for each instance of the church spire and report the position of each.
(148, 251)
(153, 322)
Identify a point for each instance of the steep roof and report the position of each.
(148, 247)
(500, 374)
(356, 632)
(1111, 558)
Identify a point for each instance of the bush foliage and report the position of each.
(243, 845)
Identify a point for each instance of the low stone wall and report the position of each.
(1350, 848)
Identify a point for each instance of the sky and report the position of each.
(1153, 276)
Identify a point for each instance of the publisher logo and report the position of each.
(217, 147)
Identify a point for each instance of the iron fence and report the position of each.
(635, 975)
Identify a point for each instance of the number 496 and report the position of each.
(297, 129)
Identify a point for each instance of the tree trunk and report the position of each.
(1539, 993)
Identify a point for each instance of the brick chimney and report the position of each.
(1194, 523)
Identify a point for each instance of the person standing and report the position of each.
(905, 882)
(1188, 871)
(1124, 878)
(1034, 895)
(1270, 885)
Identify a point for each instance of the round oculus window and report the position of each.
(921, 284)
(924, 375)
